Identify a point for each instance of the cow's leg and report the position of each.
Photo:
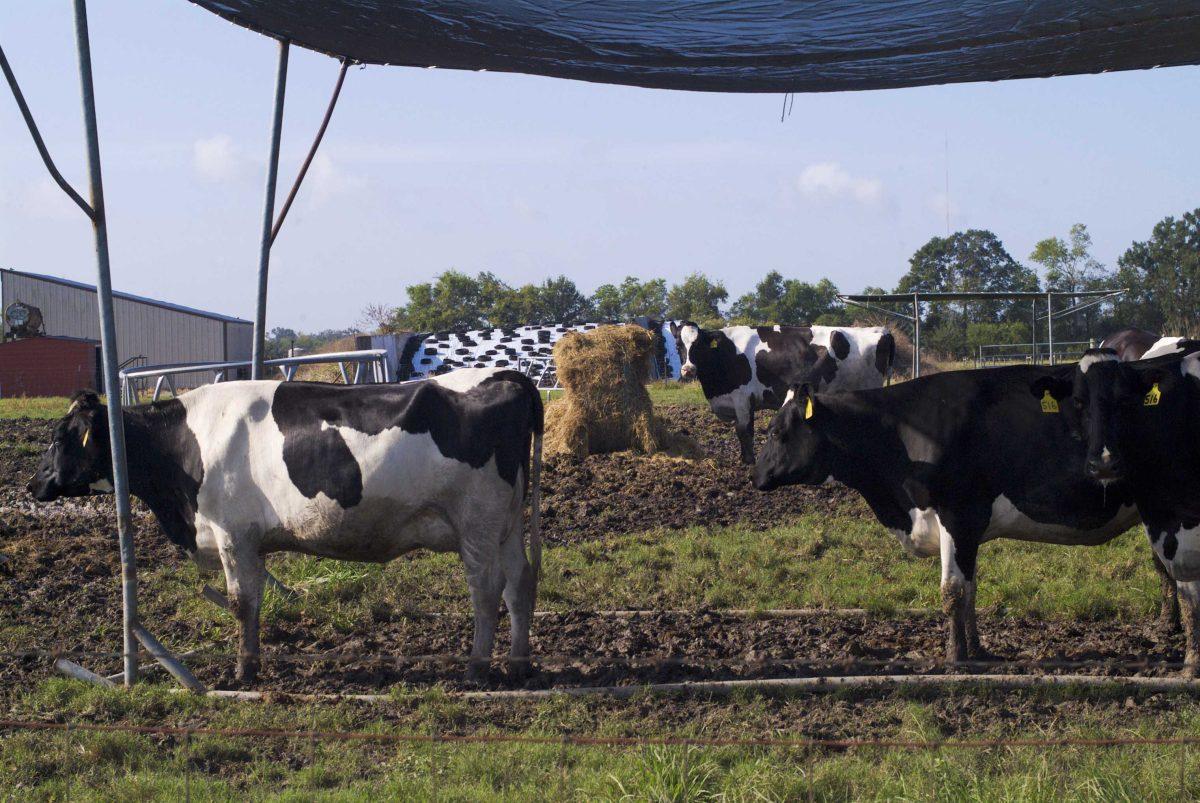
(1189, 609)
(485, 577)
(958, 594)
(245, 573)
(744, 426)
(520, 594)
(1169, 616)
(974, 647)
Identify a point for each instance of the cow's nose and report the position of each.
(688, 372)
(1104, 467)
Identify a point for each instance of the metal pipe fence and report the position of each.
(369, 366)
(1030, 353)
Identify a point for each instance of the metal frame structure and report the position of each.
(133, 377)
(868, 300)
(133, 632)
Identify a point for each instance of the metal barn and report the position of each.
(148, 331)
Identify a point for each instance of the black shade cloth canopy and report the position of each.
(741, 45)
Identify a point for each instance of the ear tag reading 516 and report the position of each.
(808, 410)
(87, 433)
(1152, 398)
(1049, 404)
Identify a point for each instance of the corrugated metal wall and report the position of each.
(161, 334)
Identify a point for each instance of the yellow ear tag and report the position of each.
(87, 433)
(808, 410)
(1152, 398)
(712, 344)
(1049, 403)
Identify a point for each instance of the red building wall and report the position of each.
(46, 366)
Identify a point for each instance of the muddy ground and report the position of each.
(59, 582)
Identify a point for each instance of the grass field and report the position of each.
(820, 561)
(36, 407)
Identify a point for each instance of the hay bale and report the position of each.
(605, 406)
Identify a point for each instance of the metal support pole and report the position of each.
(37, 138)
(264, 254)
(108, 346)
(1033, 332)
(312, 151)
(1050, 324)
(916, 336)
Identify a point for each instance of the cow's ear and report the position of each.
(1058, 389)
(803, 395)
(674, 329)
(1151, 385)
(85, 400)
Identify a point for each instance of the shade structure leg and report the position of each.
(264, 252)
(916, 365)
(108, 347)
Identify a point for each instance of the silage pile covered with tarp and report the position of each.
(605, 406)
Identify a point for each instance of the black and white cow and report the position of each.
(746, 368)
(239, 470)
(1139, 344)
(1141, 424)
(948, 462)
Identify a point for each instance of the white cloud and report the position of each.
(938, 203)
(326, 180)
(45, 199)
(830, 180)
(215, 158)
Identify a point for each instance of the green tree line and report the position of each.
(1162, 274)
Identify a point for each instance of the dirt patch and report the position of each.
(624, 492)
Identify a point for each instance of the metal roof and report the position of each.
(974, 296)
(742, 45)
(91, 288)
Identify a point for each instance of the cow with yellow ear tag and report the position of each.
(950, 461)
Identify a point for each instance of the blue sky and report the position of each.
(424, 170)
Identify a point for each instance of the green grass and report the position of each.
(34, 407)
(818, 562)
(111, 766)
(670, 392)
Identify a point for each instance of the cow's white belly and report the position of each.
(1009, 522)
(1184, 566)
(923, 538)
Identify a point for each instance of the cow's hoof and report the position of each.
(747, 460)
(477, 672)
(1168, 624)
(519, 670)
(978, 652)
(247, 672)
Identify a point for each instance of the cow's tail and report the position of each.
(535, 507)
(535, 486)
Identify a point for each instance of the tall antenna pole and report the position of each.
(947, 155)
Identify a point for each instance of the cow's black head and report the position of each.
(710, 356)
(77, 461)
(795, 451)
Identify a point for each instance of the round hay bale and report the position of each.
(605, 406)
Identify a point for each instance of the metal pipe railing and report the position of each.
(163, 374)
